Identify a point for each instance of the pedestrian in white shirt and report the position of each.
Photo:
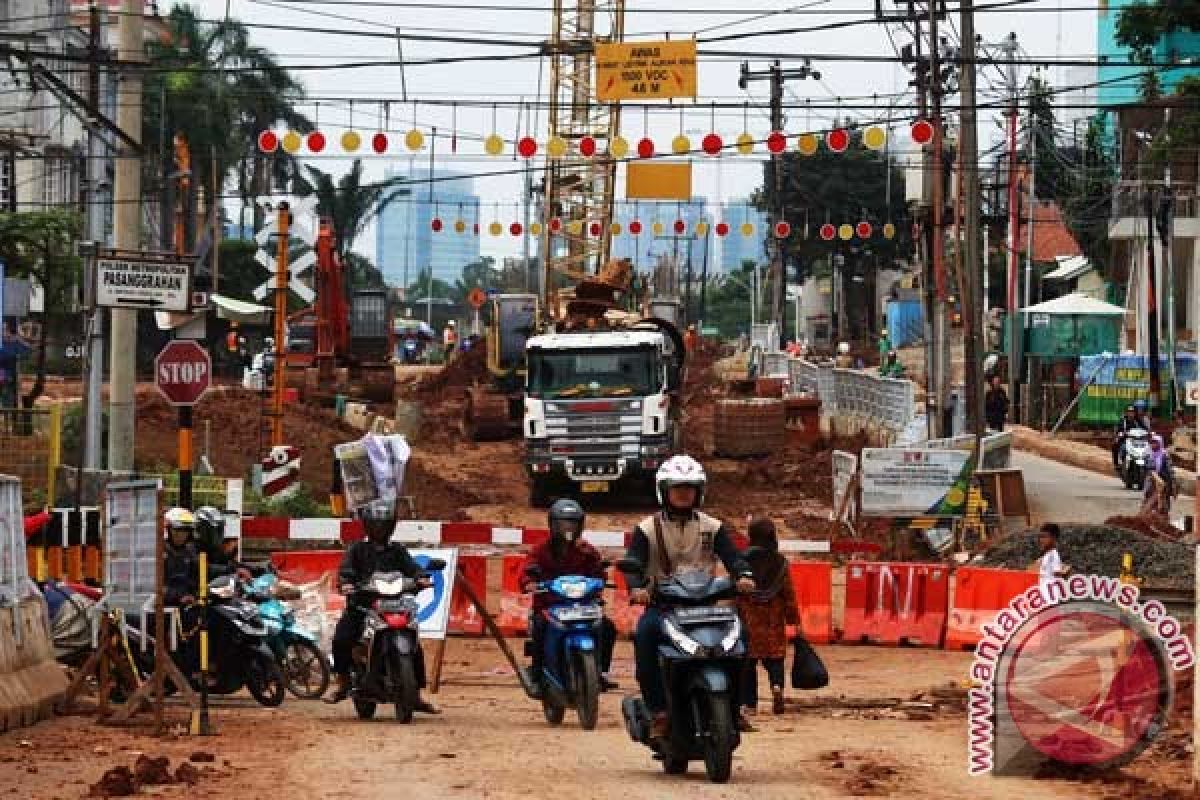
(1050, 566)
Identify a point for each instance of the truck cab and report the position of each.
(601, 410)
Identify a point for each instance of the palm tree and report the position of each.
(350, 204)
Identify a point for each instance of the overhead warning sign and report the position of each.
(645, 70)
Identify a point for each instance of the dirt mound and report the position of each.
(1155, 526)
(1097, 550)
(466, 369)
(116, 782)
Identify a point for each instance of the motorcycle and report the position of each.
(412, 352)
(702, 665)
(238, 651)
(305, 667)
(385, 663)
(570, 674)
(1133, 458)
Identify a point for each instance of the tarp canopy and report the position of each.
(1068, 267)
(1075, 305)
(241, 311)
(404, 327)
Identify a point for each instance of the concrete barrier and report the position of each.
(31, 681)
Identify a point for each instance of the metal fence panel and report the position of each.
(31, 441)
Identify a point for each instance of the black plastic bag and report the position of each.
(808, 671)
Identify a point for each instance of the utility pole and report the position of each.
(1152, 302)
(1012, 302)
(279, 384)
(941, 334)
(969, 158)
(777, 76)
(127, 195)
(1166, 227)
(94, 325)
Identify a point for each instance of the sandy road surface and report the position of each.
(491, 742)
(1063, 493)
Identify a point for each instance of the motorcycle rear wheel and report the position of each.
(404, 680)
(265, 680)
(714, 720)
(306, 670)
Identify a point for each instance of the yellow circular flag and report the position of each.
(618, 147)
(889, 231)
(556, 147)
(745, 144)
(955, 496)
(351, 141)
(747, 229)
(460, 226)
(702, 228)
(874, 137)
(575, 227)
(495, 229)
(846, 232)
(681, 145)
(657, 228)
(536, 229)
(807, 144)
(291, 142)
(615, 229)
(493, 145)
(414, 139)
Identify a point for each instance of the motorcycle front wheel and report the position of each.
(714, 720)
(306, 670)
(587, 690)
(265, 680)
(404, 684)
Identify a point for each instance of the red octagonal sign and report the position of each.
(182, 372)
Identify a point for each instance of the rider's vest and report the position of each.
(689, 543)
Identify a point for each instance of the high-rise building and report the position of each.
(736, 247)
(1177, 46)
(405, 242)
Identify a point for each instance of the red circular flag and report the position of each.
(379, 142)
(828, 232)
(863, 229)
(555, 224)
(837, 140)
(595, 229)
(922, 131)
(635, 227)
(782, 230)
(587, 146)
(475, 229)
(722, 229)
(712, 144)
(268, 141)
(776, 142)
(316, 141)
(527, 147)
(436, 224)
(645, 148)
(680, 226)
(515, 229)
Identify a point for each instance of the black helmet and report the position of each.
(566, 519)
(379, 521)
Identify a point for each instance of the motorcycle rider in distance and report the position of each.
(680, 536)
(1133, 418)
(181, 558)
(221, 546)
(565, 553)
(375, 553)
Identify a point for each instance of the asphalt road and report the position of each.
(1062, 493)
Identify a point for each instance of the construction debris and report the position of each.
(1097, 550)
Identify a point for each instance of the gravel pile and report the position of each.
(1097, 550)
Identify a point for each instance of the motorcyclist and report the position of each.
(221, 545)
(680, 536)
(565, 553)
(1133, 418)
(181, 559)
(375, 553)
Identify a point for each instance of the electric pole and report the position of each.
(127, 194)
(972, 297)
(777, 77)
(94, 216)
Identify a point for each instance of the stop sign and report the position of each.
(182, 371)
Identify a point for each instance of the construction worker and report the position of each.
(844, 360)
(690, 339)
(450, 339)
(891, 367)
(885, 345)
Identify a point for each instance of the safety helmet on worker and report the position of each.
(180, 524)
(680, 471)
(1140, 406)
(844, 348)
(565, 520)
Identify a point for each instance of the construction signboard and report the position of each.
(645, 70)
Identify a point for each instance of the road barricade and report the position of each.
(623, 615)
(812, 583)
(513, 619)
(979, 594)
(31, 681)
(465, 619)
(895, 603)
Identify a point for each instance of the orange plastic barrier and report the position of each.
(306, 566)
(896, 603)
(812, 582)
(464, 617)
(623, 615)
(513, 619)
(979, 594)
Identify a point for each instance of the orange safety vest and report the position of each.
(231, 341)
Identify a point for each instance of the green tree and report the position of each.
(41, 245)
(1141, 26)
(361, 273)
(1088, 205)
(350, 204)
(419, 289)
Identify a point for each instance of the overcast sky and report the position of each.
(1044, 32)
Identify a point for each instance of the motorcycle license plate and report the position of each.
(393, 605)
(594, 487)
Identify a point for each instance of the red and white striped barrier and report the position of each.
(450, 533)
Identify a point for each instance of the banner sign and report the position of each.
(911, 482)
(434, 604)
(645, 70)
(1118, 381)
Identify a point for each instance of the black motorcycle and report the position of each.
(238, 652)
(701, 659)
(385, 661)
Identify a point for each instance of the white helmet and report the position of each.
(844, 348)
(179, 518)
(680, 470)
(270, 340)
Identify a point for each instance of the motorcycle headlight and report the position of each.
(731, 639)
(680, 639)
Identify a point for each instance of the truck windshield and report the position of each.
(617, 372)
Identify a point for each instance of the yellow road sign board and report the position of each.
(645, 70)
(658, 180)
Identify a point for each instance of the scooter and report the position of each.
(411, 351)
(1133, 458)
(570, 674)
(385, 661)
(305, 667)
(702, 665)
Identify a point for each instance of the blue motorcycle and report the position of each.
(570, 673)
(305, 667)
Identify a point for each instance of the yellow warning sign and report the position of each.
(645, 70)
(658, 180)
